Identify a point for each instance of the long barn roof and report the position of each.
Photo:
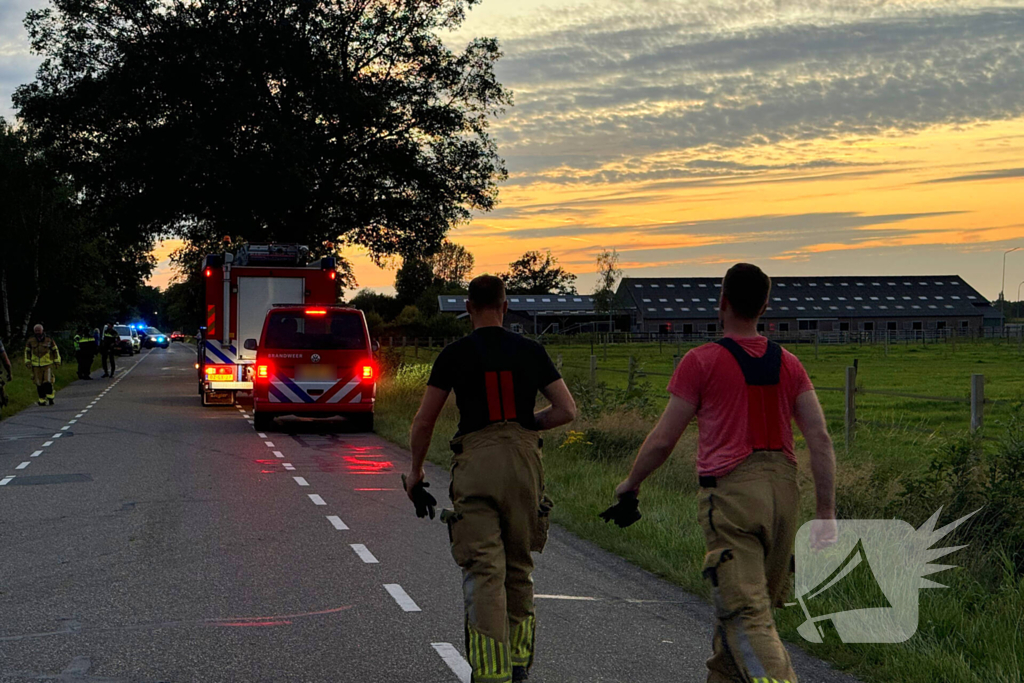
(579, 304)
(812, 297)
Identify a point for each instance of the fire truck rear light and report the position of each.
(262, 371)
(368, 372)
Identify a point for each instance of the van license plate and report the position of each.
(316, 373)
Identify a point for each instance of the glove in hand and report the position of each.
(424, 502)
(625, 512)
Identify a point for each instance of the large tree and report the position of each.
(347, 121)
(538, 273)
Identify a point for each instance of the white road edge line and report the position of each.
(36, 454)
(401, 597)
(317, 500)
(336, 521)
(565, 597)
(301, 481)
(6, 480)
(23, 465)
(455, 661)
(366, 556)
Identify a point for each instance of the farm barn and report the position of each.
(548, 313)
(903, 306)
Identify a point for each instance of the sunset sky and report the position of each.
(810, 137)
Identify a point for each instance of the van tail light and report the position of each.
(332, 275)
(209, 272)
(316, 311)
(263, 371)
(368, 372)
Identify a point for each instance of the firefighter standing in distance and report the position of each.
(41, 357)
(501, 510)
(744, 390)
(108, 348)
(85, 351)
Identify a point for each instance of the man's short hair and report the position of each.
(746, 287)
(486, 291)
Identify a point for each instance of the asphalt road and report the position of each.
(146, 538)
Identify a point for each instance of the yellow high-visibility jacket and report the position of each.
(39, 354)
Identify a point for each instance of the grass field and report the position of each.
(22, 391)
(908, 458)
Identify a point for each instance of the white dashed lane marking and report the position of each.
(71, 422)
(401, 597)
(36, 454)
(270, 444)
(65, 428)
(278, 454)
(301, 481)
(365, 555)
(336, 521)
(288, 466)
(23, 465)
(57, 435)
(262, 436)
(48, 443)
(455, 661)
(6, 480)
(317, 500)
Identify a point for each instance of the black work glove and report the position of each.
(423, 501)
(625, 512)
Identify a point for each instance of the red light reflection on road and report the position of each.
(374, 489)
(364, 466)
(252, 623)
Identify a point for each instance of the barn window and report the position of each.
(783, 327)
(891, 326)
(868, 326)
(918, 325)
(712, 327)
(844, 327)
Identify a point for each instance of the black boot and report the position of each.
(520, 673)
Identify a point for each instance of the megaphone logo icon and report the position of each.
(864, 588)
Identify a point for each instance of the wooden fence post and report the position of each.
(430, 342)
(851, 404)
(977, 402)
(558, 362)
(416, 347)
(816, 337)
(593, 372)
(629, 377)
(391, 342)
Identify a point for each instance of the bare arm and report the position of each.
(562, 409)
(811, 421)
(659, 443)
(422, 431)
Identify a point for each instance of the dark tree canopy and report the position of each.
(538, 273)
(305, 121)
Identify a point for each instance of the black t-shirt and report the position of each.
(496, 375)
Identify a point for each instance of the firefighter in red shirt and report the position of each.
(744, 391)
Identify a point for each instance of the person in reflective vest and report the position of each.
(41, 357)
(85, 351)
(744, 391)
(500, 510)
(108, 348)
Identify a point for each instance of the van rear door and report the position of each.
(316, 355)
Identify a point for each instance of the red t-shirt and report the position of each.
(711, 379)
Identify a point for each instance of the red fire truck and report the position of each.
(240, 289)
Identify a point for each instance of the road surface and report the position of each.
(146, 538)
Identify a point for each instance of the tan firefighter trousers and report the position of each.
(501, 515)
(750, 520)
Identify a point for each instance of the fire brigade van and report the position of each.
(240, 289)
(314, 361)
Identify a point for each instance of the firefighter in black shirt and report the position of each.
(501, 511)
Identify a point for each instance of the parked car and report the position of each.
(314, 362)
(129, 340)
(177, 336)
(155, 338)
